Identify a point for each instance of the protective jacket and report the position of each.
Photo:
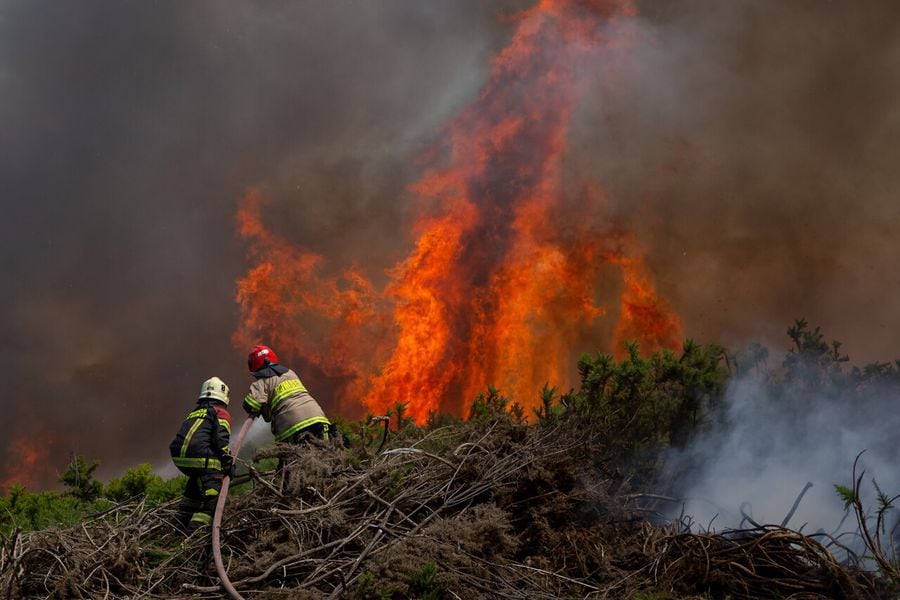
(202, 442)
(282, 399)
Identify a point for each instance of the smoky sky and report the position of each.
(751, 147)
(130, 130)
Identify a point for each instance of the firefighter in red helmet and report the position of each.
(281, 398)
(200, 450)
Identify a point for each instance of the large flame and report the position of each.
(503, 275)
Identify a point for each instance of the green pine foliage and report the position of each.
(28, 511)
(84, 496)
(79, 479)
(424, 583)
(141, 481)
(814, 365)
(488, 405)
(846, 494)
(648, 403)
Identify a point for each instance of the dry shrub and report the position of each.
(483, 531)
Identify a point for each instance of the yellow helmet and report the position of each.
(216, 389)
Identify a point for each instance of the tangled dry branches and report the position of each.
(499, 510)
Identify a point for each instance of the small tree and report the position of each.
(79, 479)
(812, 362)
(488, 405)
(549, 409)
(399, 412)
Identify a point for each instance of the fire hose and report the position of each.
(217, 518)
(223, 495)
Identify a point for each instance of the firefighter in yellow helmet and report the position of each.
(200, 450)
(281, 398)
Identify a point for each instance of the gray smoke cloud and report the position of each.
(768, 446)
(748, 145)
(752, 145)
(770, 195)
(130, 130)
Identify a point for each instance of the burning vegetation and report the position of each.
(505, 273)
(490, 482)
(26, 458)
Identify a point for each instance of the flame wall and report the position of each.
(502, 275)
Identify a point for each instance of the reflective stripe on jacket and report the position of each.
(203, 438)
(284, 401)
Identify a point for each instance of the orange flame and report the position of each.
(333, 309)
(644, 317)
(502, 280)
(24, 459)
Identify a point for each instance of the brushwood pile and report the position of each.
(488, 508)
(565, 501)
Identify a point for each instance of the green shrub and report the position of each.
(643, 404)
(423, 583)
(367, 588)
(142, 481)
(488, 405)
(30, 511)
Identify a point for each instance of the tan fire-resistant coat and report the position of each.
(283, 401)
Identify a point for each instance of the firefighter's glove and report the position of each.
(228, 466)
(251, 407)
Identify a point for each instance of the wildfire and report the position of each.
(24, 458)
(642, 315)
(502, 278)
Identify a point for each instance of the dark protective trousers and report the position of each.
(317, 430)
(200, 496)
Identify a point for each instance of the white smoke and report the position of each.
(259, 434)
(770, 445)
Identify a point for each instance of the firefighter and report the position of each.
(281, 398)
(200, 450)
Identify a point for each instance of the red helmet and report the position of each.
(260, 357)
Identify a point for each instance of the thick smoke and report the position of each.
(748, 145)
(773, 441)
(753, 146)
(775, 198)
(130, 132)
